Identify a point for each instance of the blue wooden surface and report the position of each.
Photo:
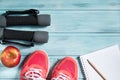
(78, 27)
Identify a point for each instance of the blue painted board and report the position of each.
(61, 4)
(77, 28)
(73, 43)
(79, 21)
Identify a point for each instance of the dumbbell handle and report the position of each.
(31, 36)
(7, 19)
(21, 20)
(18, 35)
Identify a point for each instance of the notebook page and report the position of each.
(107, 61)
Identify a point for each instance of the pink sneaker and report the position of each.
(36, 67)
(66, 69)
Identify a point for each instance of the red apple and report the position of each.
(10, 56)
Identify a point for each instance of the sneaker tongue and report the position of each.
(41, 68)
(34, 74)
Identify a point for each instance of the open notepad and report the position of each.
(106, 60)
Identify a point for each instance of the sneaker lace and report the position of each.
(33, 74)
(61, 76)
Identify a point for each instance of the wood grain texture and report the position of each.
(61, 4)
(72, 43)
(79, 21)
(77, 28)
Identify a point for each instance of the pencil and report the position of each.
(96, 69)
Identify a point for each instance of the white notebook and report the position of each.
(106, 60)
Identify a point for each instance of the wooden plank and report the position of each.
(61, 4)
(72, 43)
(75, 43)
(79, 21)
